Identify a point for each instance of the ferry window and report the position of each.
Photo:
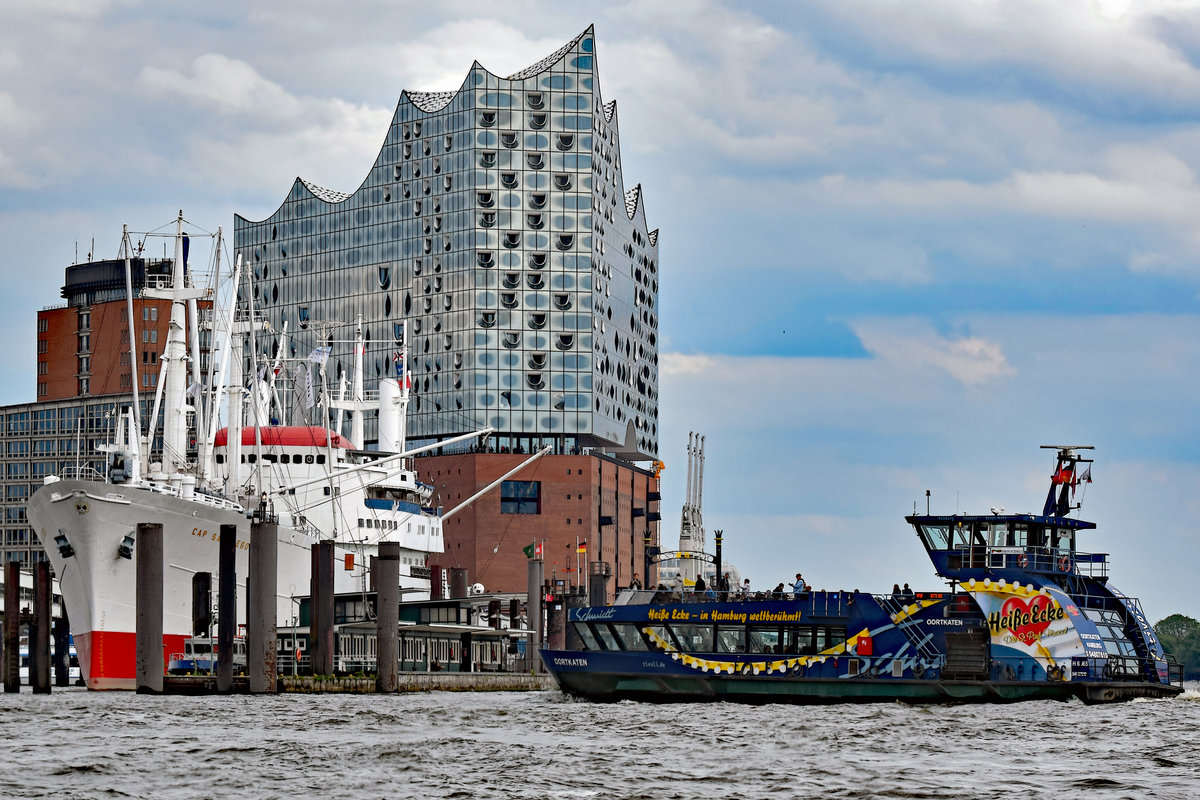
(998, 535)
(1063, 539)
(629, 636)
(730, 639)
(799, 640)
(1020, 535)
(762, 640)
(606, 637)
(520, 497)
(937, 537)
(694, 638)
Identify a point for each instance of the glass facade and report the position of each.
(495, 225)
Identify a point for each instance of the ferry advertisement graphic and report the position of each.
(1040, 622)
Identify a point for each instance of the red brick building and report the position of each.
(83, 347)
(566, 502)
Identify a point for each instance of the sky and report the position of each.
(902, 244)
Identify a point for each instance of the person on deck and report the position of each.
(800, 587)
(908, 594)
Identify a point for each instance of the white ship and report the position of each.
(318, 483)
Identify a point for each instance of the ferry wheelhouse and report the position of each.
(1027, 615)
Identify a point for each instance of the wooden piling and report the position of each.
(321, 609)
(39, 634)
(260, 606)
(387, 617)
(149, 607)
(226, 607)
(12, 627)
(535, 576)
(62, 650)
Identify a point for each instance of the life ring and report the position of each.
(1064, 564)
(1022, 561)
(798, 670)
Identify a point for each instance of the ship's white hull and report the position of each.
(98, 583)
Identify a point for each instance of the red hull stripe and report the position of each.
(108, 659)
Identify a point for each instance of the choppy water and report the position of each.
(541, 745)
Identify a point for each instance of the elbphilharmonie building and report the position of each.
(496, 232)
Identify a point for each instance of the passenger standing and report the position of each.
(745, 590)
(799, 587)
(908, 595)
(700, 586)
(723, 586)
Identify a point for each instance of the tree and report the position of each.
(1180, 636)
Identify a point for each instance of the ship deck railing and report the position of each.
(1030, 559)
(80, 472)
(825, 602)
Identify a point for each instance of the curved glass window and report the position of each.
(564, 141)
(512, 239)
(535, 99)
(487, 158)
(535, 160)
(535, 221)
(485, 259)
(564, 241)
(562, 181)
(537, 200)
(509, 139)
(537, 121)
(537, 260)
(564, 341)
(537, 321)
(487, 119)
(487, 319)
(511, 339)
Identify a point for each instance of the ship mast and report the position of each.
(175, 358)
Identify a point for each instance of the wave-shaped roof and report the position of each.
(328, 195)
(431, 101)
(549, 60)
(631, 200)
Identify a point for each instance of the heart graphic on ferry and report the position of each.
(1027, 620)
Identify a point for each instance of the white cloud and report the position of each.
(227, 84)
(971, 360)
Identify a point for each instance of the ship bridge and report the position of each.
(1000, 545)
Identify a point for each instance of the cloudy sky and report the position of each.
(902, 244)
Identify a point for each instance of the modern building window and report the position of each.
(521, 497)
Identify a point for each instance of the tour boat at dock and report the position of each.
(1028, 615)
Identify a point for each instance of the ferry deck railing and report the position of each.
(1031, 559)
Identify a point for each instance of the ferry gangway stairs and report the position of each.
(897, 609)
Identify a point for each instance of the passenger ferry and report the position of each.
(1028, 615)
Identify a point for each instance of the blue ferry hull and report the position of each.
(613, 677)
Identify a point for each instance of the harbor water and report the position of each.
(542, 745)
